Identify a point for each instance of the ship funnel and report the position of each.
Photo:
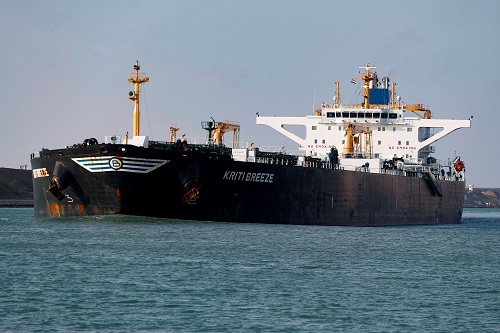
(385, 82)
(61, 179)
(373, 81)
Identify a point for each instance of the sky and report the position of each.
(65, 66)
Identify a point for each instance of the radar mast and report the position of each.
(136, 78)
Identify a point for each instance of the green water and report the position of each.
(117, 274)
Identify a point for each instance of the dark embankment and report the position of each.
(482, 198)
(16, 188)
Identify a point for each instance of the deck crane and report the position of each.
(217, 129)
(224, 127)
(417, 108)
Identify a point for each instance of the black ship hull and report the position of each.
(123, 179)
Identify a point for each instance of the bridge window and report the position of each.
(393, 115)
(368, 115)
(376, 115)
(361, 115)
(338, 114)
(330, 114)
(345, 114)
(354, 115)
(384, 116)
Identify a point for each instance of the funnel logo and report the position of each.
(115, 163)
(122, 163)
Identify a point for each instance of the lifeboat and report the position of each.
(459, 165)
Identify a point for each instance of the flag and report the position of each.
(353, 81)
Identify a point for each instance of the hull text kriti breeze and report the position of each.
(368, 164)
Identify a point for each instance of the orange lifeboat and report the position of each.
(459, 165)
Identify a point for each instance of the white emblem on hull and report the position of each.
(119, 163)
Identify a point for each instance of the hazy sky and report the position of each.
(65, 66)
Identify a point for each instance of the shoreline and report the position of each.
(16, 203)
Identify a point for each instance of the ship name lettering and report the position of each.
(403, 147)
(258, 177)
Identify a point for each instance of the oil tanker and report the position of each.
(365, 164)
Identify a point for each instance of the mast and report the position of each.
(367, 77)
(337, 94)
(134, 95)
(393, 94)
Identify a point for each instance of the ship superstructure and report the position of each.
(380, 128)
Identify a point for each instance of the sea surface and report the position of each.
(135, 274)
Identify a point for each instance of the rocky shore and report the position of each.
(482, 198)
(16, 190)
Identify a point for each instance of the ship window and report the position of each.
(329, 128)
(393, 115)
(399, 143)
(343, 141)
(330, 114)
(368, 115)
(407, 143)
(384, 116)
(379, 142)
(409, 129)
(338, 114)
(377, 155)
(323, 141)
(376, 115)
(354, 115)
(394, 129)
(383, 129)
(314, 128)
(340, 128)
(315, 140)
(407, 156)
(395, 155)
(379, 129)
(345, 114)
(361, 115)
